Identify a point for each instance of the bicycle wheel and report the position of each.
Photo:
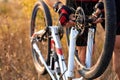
(40, 20)
(106, 53)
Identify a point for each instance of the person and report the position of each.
(67, 19)
(67, 22)
(116, 53)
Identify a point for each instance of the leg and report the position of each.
(82, 53)
(81, 44)
(116, 56)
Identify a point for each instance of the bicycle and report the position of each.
(53, 61)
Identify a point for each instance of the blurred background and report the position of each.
(15, 54)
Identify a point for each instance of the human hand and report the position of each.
(98, 16)
(67, 17)
(98, 20)
(66, 14)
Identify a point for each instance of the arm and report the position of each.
(99, 9)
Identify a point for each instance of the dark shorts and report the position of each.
(88, 9)
(118, 16)
(118, 29)
(82, 39)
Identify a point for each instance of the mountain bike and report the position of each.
(47, 51)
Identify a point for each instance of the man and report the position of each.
(67, 19)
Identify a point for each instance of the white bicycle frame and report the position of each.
(89, 50)
(67, 72)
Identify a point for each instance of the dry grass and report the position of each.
(15, 55)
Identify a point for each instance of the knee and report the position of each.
(116, 61)
(116, 67)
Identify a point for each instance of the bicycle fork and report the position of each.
(73, 36)
(89, 50)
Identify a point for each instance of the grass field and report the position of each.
(15, 55)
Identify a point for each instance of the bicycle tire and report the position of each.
(106, 54)
(47, 21)
(99, 68)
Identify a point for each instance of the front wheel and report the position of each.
(106, 53)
